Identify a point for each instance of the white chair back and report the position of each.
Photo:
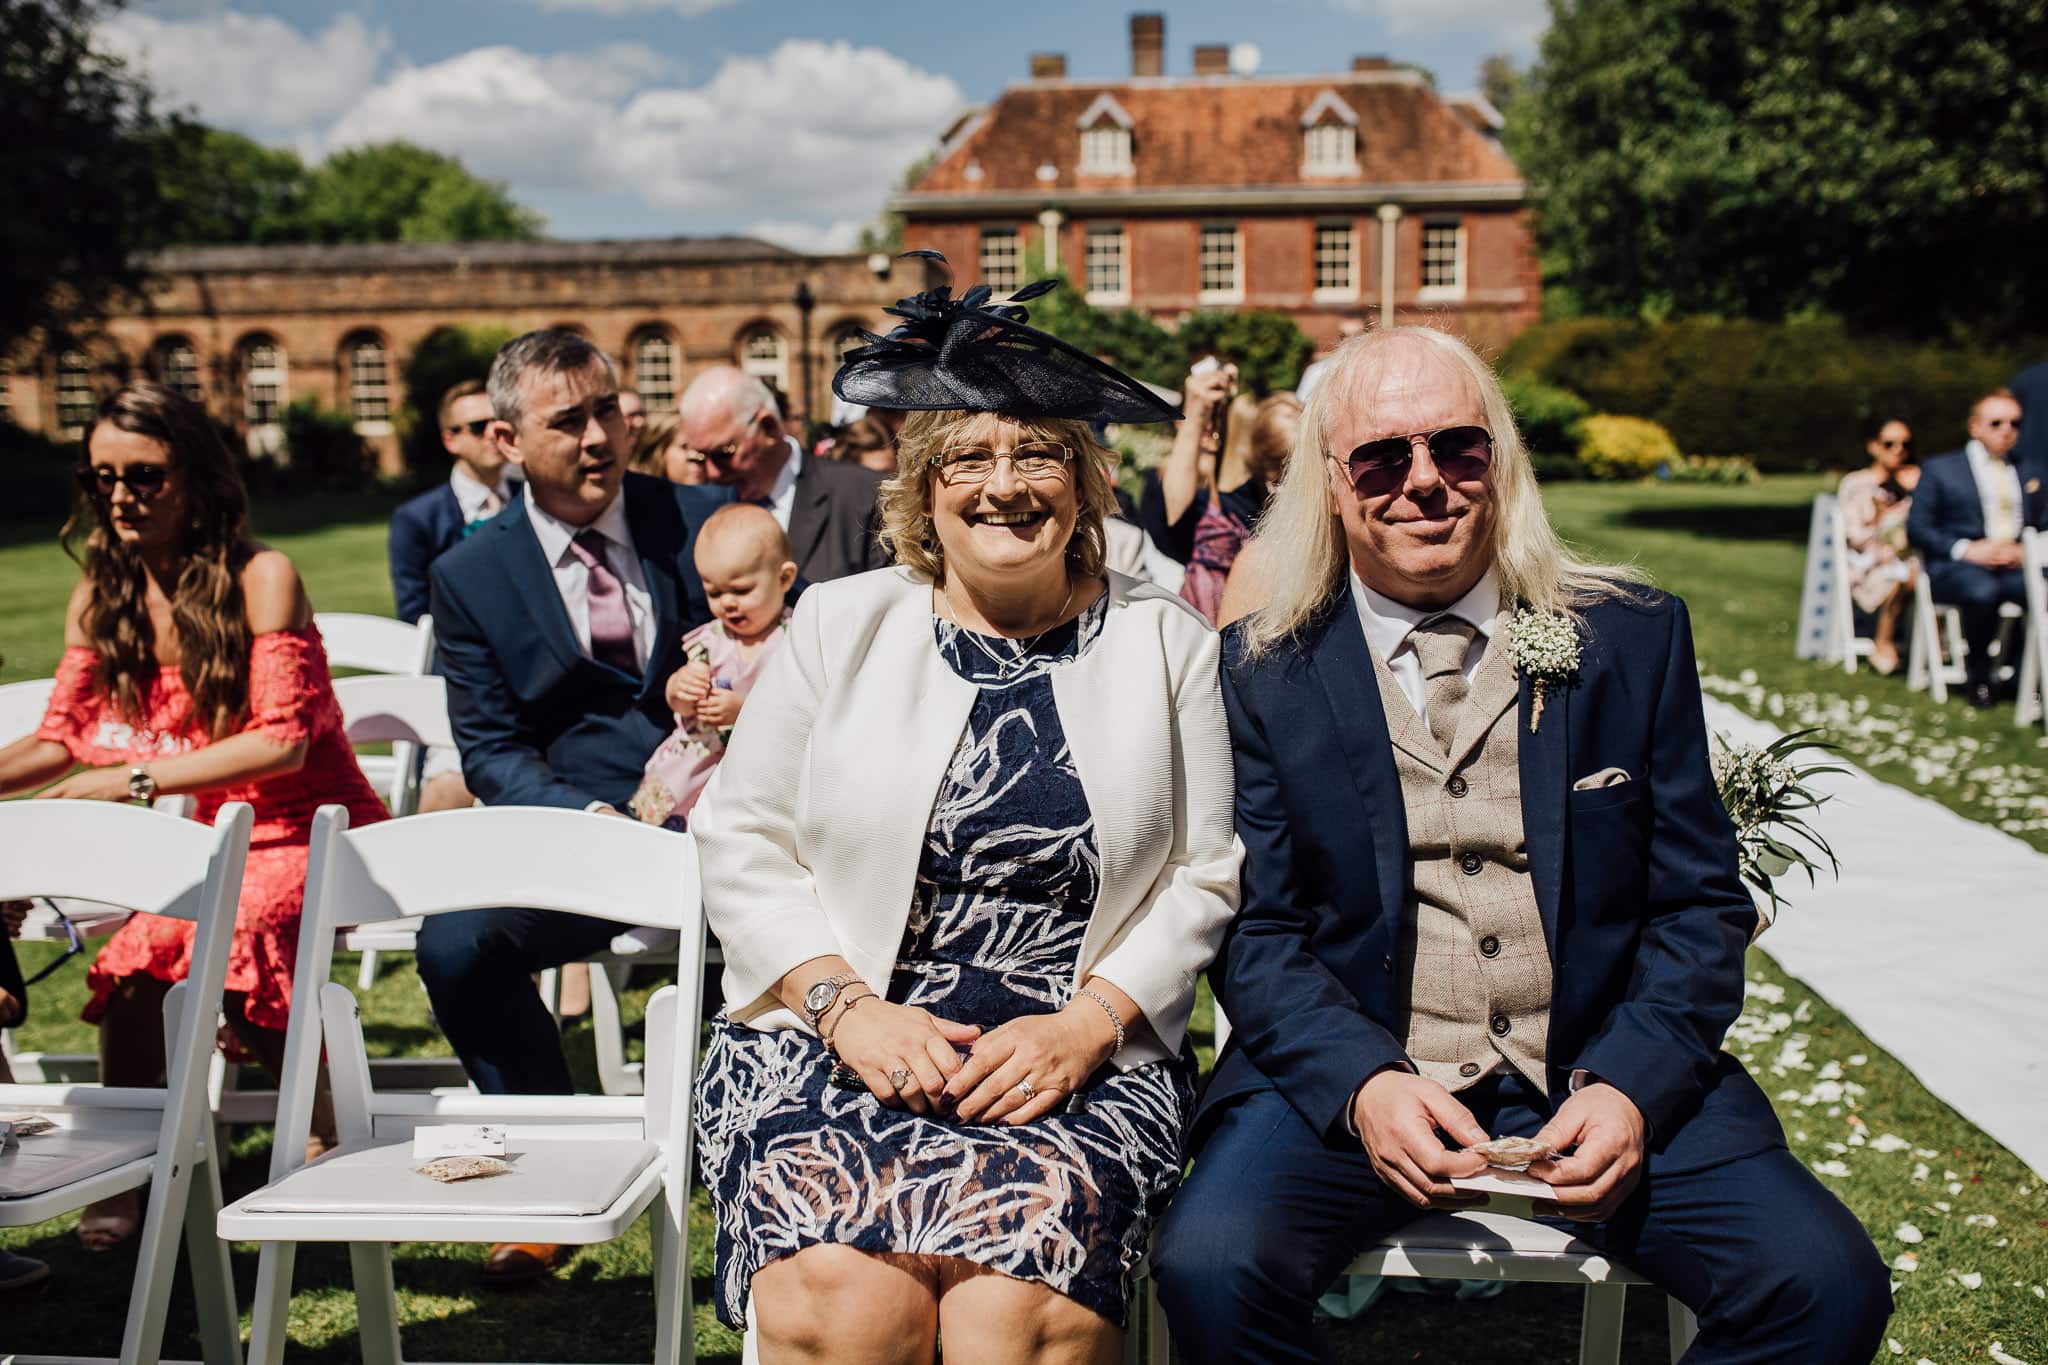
(2033, 696)
(406, 710)
(1818, 635)
(22, 706)
(376, 643)
(143, 860)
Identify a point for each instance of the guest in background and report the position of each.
(191, 665)
(827, 507)
(660, 452)
(479, 485)
(1875, 502)
(978, 804)
(868, 444)
(1226, 522)
(1967, 514)
(16, 1271)
(633, 408)
(1170, 503)
(559, 625)
(744, 559)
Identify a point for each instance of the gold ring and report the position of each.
(1026, 1089)
(900, 1078)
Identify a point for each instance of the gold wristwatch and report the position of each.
(141, 786)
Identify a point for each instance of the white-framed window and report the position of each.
(6, 396)
(77, 405)
(1106, 149)
(264, 383)
(177, 368)
(1443, 259)
(1330, 149)
(1106, 265)
(1002, 260)
(1336, 261)
(654, 371)
(369, 386)
(1219, 271)
(763, 355)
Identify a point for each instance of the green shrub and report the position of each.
(1793, 395)
(1617, 448)
(322, 449)
(1547, 416)
(444, 358)
(1721, 469)
(1269, 350)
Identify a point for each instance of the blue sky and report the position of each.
(786, 118)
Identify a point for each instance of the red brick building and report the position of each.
(247, 330)
(1364, 193)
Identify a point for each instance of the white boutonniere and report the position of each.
(1770, 796)
(1545, 647)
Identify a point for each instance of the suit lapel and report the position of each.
(1546, 794)
(532, 580)
(807, 513)
(1343, 666)
(659, 540)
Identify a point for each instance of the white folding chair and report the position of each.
(584, 1166)
(1934, 660)
(22, 705)
(379, 644)
(2033, 698)
(1827, 613)
(404, 710)
(109, 1140)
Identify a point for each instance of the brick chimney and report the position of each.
(1148, 44)
(1376, 62)
(1048, 66)
(1212, 59)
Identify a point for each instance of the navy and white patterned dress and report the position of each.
(1005, 887)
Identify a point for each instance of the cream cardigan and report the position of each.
(811, 829)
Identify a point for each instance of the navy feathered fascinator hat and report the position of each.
(971, 354)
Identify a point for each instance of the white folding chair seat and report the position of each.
(584, 1167)
(108, 1141)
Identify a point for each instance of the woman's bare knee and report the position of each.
(835, 1303)
(987, 1316)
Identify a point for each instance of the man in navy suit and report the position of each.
(428, 526)
(1475, 906)
(558, 625)
(1965, 520)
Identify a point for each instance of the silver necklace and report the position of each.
(1009, 670)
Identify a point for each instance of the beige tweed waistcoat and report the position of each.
(1476, 969)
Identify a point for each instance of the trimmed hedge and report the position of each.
(1792, 395)
(1621, 448)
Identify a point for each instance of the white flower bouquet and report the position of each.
(1767, 793)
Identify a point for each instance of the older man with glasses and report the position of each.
(1968, 512)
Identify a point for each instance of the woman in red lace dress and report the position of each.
(191, 665)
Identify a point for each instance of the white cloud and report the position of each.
(1512, 21)
(842, 235)
(253, 72)
(689, 9)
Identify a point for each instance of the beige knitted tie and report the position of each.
(1441, 643)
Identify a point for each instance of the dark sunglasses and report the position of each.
(1461, 455)
(144, 481)
(730, 451)
(1895, 445)
(476, 428)
(1996, 423)
(75, 940)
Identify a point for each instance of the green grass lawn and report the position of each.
(1892, 1151)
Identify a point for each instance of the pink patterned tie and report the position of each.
(611, 622)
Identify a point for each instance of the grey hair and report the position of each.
(548, 351)
(747, 396)
(1302, 544)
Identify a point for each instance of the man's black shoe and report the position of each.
(1980, 695)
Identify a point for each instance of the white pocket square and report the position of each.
(1606, 777)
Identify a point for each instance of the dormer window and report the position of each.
(1329, 137)
(1105, 139)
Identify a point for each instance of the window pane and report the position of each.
(1441, 268)
(1002, 262)
(1104, 265)
(1106, 150)
(178, 366)
(654, 372)
(1333, 258)
(265, 384)
(76, 404)
(762, 355)
(369, 390)
(1331, 146)
(1219, 260)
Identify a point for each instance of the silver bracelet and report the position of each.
(1115, 1020)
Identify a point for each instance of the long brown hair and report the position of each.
(206, 600)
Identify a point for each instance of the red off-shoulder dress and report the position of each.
(291, 698)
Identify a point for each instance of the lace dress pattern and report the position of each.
(1007, 880)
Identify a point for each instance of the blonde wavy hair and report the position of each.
(1301, 542)
(907, 530)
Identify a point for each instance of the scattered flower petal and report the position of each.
(1909, 1234)
(1969, 1280)
(1981, 1220)
(1906, 1261)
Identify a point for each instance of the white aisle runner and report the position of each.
(1935, 941)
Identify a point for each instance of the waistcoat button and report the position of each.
(1469, 1069)
(1500, 1026)
(1489, 946)
(1457, 786)
(1471, 863)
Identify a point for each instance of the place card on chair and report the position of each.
(457, 1139)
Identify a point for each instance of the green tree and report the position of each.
(1269, 350)
(1766, 158)
(1130, 340)
(221, 187)
(77, 133)
(399, 192)
(444, 358)
(1500, 80)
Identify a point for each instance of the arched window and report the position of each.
(763, 355)
(654, 370)
(843, 338)
(264, 392)
(369, 381)
(76, 403)
(177, 367)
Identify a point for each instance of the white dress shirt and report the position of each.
(782, 497)
(1388, 624)
(572, 579)
(470, 495)
(1998, 492)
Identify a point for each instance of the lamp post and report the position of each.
(805, 301)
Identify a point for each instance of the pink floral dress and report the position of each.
(680, 768)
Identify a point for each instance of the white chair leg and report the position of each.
(1158, 1341)
(673, 1330)
(213, 1277)
(366, 974)
(156, 1260)
(1600, 1326)
(551, 991)
(750, 1344)
(615, 1076)
(376, 1303)
(1681, 1325)
(271, 1306)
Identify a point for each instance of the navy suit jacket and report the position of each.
(1643, 909)
(422, 530)
(1946, 508)
(539, 722)
(2030, 386)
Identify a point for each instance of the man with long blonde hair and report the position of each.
(1488, 892)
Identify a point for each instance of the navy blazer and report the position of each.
(2030, 386)
(539, 722)
(422, 530)
(1946, 507)
(1643, 910)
